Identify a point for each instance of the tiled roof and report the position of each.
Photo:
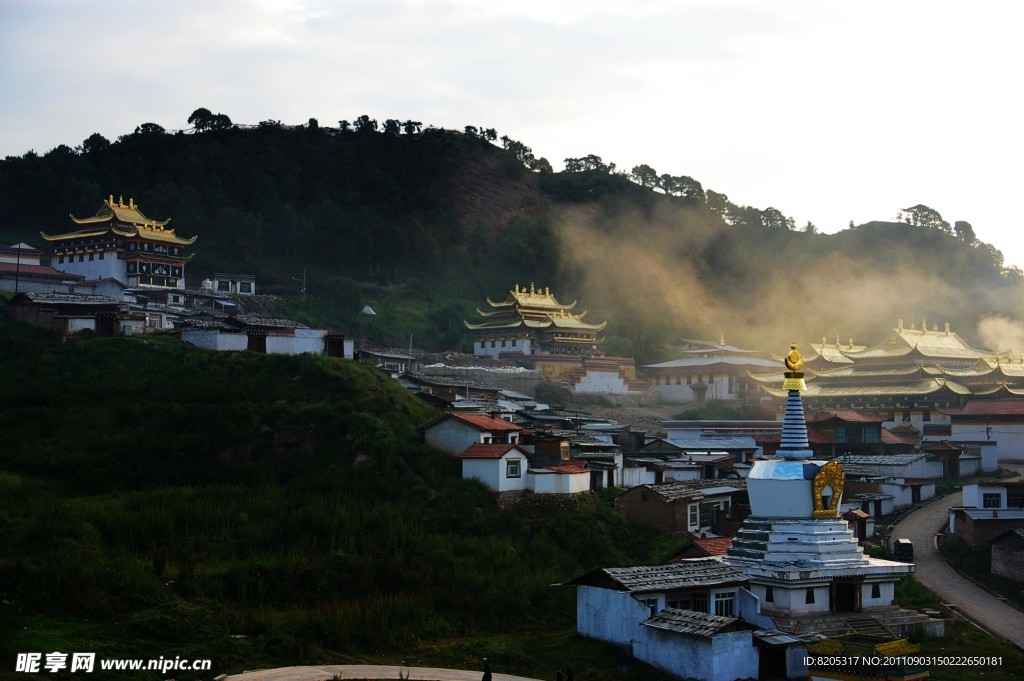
(485, 422)
(990, 407)
(481, 451)
(690, 622)
(698, 362)
(27, 270)
(568, 468)
(68, 298)
(880, 459)
(686, 574)
(713, 546)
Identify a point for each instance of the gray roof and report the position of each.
(715, 443)
(690, 622)
(697, 362)
(880, 459)
(686, 574)
(69, 298)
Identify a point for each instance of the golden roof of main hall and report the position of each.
(533, 298)
(124, 220)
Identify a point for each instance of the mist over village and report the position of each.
(557, 341)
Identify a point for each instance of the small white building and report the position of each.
(688, 618)
(500, 467)
(233, 284)
(454, 433)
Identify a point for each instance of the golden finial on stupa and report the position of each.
(721, 339)
(794, 377)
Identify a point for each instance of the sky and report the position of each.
(831, 112)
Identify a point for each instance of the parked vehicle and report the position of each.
(903, 550)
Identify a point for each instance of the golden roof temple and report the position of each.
(911, 370)
(530, 322)
(120, 242)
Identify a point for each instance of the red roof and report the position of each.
(38, 271)
(485, 422)
(568, 468)
(713, 546)
(890, 438)
(480, 451)
(990, 407)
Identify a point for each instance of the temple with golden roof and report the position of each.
(533, 322)
(121, 243)
(911, 373)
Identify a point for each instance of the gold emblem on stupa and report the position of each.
(794, 377)
(830, 475)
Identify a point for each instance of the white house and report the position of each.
(688, 618)
(990, 424)
(454, 433)
(500, 467)
(237, 284)
(565, 478)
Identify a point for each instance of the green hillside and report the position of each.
(422, 223)
(258, 510)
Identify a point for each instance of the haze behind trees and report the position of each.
(423, 223)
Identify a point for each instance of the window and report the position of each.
(1014, 499)
(502, 343)
(991, 500)
(927, 415)
(245, 287)
(652, 604)
(81, 258)
(513, 468)
(809, 598)
(689, 379)
(876, 591)
(769, 594)
(223, 285)
(492, 344)
(840, 434)
(60, 259)
(679, 380)
(694, 515)
(699, 602)
(513, 342)
(732, 384)
(92, 256)
(101, 255)
(725, 604)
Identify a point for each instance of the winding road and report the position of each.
(935, 573)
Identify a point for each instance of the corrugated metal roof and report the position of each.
(686, 574)
(690, 622)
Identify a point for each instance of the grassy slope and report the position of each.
(161, 500)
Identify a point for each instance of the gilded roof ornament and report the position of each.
(794, 376)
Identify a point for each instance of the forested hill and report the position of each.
(423, 223)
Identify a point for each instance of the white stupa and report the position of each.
(803, 560)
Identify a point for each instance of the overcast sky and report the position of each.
(828, 111)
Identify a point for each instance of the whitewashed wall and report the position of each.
(212, 339)
(110, 266)
(608, 615)
(452, 436)
(601, 382)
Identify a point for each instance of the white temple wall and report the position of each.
(886, 597)
(601, 382)
(109, 266)
(634, 476)
(295, 345)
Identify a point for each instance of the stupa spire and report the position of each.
(794, 443)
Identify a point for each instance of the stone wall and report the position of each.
(553, 503)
